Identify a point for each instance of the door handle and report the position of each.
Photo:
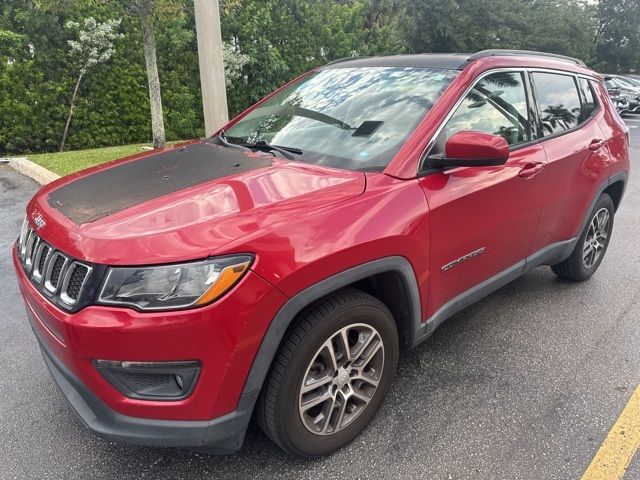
(596, 144)
(530, 170)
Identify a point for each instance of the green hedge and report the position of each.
(282, 38)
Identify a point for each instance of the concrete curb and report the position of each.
(30, 169)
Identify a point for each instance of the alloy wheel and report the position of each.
(341, 379)
(596, 239)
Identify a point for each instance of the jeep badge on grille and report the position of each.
(39, 221)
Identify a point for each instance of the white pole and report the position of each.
(214, 95)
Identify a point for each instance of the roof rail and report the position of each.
(508, 53)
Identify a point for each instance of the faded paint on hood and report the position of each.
(197, 221)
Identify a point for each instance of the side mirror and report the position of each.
(472, 149)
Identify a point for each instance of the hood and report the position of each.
(181, 203)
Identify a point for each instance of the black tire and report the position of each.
(278, 411)
(574, 268)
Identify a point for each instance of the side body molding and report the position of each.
(289, 310)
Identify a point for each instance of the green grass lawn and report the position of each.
(72, 161)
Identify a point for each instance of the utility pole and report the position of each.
(214, 94)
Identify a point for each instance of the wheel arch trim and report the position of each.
(617, 177)
(287, 313)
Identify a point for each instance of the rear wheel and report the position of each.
(331, 375)
(592, 244)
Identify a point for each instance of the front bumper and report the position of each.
(221, 436)
(224, 337)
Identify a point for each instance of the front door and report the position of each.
(483, 219)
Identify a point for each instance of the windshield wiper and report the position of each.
(222, 136)
(260, 145)
(266, 146)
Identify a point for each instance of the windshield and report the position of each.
(353, 118)
(625, 83)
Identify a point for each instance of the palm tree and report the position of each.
(486, 91)
(557, 115)
(508, 134)
(498, 79)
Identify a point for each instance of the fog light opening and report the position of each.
(161, 381)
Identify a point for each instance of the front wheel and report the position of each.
(592, 244)
(331, 375)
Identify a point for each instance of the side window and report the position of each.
(559, 102)
(589, 104)
(497, 104)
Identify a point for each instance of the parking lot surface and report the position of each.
(526, 384)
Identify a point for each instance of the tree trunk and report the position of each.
(155, 97)
(73, 104)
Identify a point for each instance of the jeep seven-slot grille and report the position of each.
(56, 274)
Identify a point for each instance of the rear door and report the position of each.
(483, 219)
(576, 149)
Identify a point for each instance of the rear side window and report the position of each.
(496, 104)
(559, 102)
(589, 104)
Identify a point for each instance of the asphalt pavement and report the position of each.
(525, 384)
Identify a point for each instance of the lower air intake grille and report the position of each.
(144, 381)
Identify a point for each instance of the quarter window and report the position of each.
(497, 104)
(589, 102)
(559, 102)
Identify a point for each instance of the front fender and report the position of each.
(281, 322)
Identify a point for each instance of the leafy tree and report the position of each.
(93, 46)
(11, 46)
(267, 43)
(384, 27)
(558, 26)
(148, 11)
(234, 61)
(617, 35)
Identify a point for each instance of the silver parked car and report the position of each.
(628, 89)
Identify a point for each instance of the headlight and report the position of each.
(170, 287)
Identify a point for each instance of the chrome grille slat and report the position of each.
(52, 272)
(32, 244)
(25, 230)
(40, 261)
(53, 275)
(27, 237)
(70, 295)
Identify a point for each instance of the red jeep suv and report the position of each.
(278, 268)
